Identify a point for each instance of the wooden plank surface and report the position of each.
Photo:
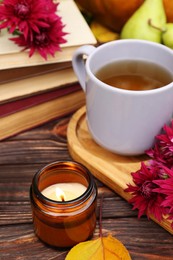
(20, 158)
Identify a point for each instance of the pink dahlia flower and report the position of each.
(166, 188)
(144, 197)
(26, 15)
(46, 41)
(163, 149)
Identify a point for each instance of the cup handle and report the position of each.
(78, 63)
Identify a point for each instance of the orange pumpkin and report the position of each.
(168, 4)
(112, 13)
(115, 13)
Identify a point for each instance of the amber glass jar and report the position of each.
(63, 223)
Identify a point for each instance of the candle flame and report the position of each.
(60, 194)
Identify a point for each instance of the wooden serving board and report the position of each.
(112, 169)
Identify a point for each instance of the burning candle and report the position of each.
(63, 199)
(64, 191)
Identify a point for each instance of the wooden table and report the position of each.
(20, 158)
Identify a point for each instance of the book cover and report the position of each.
(78, 31)
(25, 103)
(40, 114)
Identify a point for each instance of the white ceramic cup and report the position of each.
(122, 121)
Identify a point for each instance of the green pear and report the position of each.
(167, 36)
(146, 23)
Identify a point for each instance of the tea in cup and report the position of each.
(129, 92)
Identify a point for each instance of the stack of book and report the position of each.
(34, 91)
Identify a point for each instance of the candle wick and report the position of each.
(62, 198)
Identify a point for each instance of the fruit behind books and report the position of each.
(168, 5)
(146, 23)
(167, 36)
(103, 33)
(112, 13)
(115, 13)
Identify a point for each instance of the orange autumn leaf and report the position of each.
(103, 248)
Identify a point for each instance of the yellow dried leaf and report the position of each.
(102, 33)
(105, 248)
